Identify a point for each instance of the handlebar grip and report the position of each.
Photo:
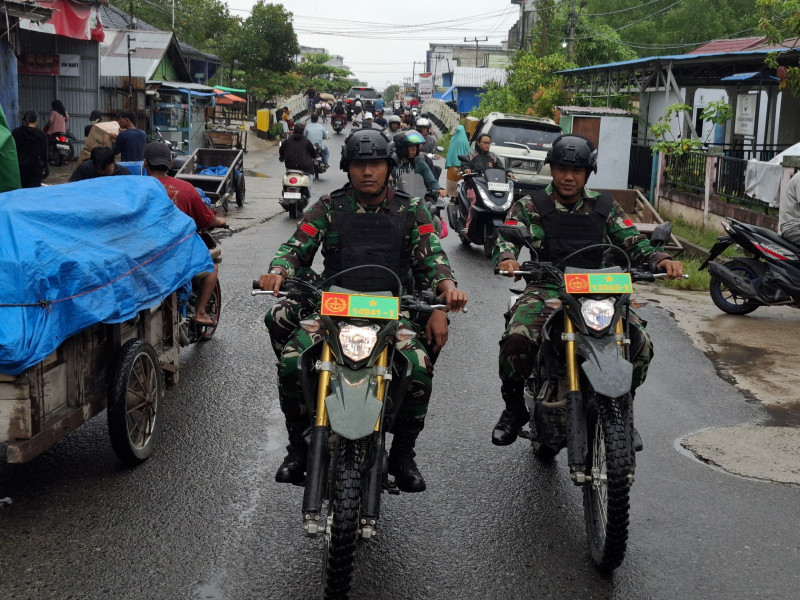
(497, 271)
(256, 285)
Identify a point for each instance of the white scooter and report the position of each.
(296, 192)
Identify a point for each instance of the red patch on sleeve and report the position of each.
(510, 222)
(428, 228)
(309, 229)
(628, 223)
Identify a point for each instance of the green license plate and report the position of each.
(357, 305)
(598, 283)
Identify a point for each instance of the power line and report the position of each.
(622, 10)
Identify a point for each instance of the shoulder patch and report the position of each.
(627, 223)
(309, 229)
(427, 228)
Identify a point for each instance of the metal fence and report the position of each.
(686, 172)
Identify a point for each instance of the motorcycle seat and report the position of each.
(775, 237)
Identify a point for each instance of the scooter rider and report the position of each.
(380, 119)
(317, 134)
(368, 122)
(395, 124)
(481, 158)
(406, 146)
(404, 240)
(423, 125)
(563, 218)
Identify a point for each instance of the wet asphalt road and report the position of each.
(203, 518)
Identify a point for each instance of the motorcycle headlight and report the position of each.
(597, 314)
(358, 342)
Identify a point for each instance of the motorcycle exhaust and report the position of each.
(739, 285)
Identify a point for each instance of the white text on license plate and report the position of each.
(498, 187)
(292, 195)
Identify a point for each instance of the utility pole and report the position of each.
(543, 8)
(132, 103)
(414, 70)
(573, 17)
(476, 40)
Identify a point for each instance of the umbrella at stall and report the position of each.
(226, 97)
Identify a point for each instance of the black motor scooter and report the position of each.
(770, 277)
(61, 148)
(494, 194)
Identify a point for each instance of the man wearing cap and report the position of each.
(157, 161)
(368, 124)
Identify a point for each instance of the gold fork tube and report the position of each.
(381, 361)
(569, 349)
(322, 391)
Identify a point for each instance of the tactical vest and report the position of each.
(354, 239)
(566, 232)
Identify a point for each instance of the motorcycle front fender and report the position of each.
(353, 407)
(605, 366)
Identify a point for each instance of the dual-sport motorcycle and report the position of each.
(338, 122)
(769, 277)
(319, 164)
(494, 193)
(579, 393)
(296, 192)
(353, 381)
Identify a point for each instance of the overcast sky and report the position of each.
(380, 41)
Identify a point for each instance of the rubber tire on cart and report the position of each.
(239, 185)
(213, 310)
(133, 403)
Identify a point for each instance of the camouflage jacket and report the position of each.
(619, 229)
(429, 263)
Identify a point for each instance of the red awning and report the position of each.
(226, 98)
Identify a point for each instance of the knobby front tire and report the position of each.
(606, 499)
(345, 510)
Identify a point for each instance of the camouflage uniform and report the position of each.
(519, 343)
(429, 266)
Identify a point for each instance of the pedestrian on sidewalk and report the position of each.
(32, 146)
(459, 145)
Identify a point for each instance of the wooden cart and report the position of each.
(123, 367)
(219, 188)
(644, 216)
(225, 138)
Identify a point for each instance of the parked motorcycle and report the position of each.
(579, 393)
(414, 185)
(494, 193)
(354, 383)
(296, 192)
(770, 277)
(179, 157)
(61, 148)
(338, 122)
(319, 164)
(190, 331)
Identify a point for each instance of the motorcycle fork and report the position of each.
(576, 414)
(373, 486)
(317, 466)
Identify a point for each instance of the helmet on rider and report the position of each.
(394, 119)
(367, 115)
(573, 150)
(404, 140)
(423, 122)
(366, 144)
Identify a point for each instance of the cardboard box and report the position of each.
(101, 134)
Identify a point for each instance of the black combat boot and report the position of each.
(293, 467)
(513, 417)
(401, 456)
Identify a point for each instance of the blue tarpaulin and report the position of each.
(94, 251)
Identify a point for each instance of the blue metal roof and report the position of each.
(673, 58)
(748, 76)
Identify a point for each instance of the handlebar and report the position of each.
(641, 276)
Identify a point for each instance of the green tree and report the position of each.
(322, 77)
(780, 21)
(390, 92)
(265, 49)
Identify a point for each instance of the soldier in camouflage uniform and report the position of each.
(366, 222)
(563, 218)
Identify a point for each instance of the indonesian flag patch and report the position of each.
(627, 223)
(309, 229)
(423, 229)
(511, 222)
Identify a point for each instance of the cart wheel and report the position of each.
(138, 387)
(224, 200)
(214, 310)
(239, 184)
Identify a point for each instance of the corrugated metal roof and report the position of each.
(729, 45)
(477, 77)
(593, 110)
(755, 75)
(113, 18)
(185, 85)
(147, 50)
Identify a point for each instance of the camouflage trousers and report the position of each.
(520, 341)
(289, 341)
